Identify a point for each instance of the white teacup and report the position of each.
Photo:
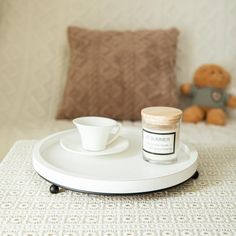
(95, 131)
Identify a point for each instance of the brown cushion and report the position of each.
(116, 74)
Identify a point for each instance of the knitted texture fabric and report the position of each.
(205, 206)
(117, 73)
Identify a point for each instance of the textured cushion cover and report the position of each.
(117, 73)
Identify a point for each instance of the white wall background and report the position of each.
(34, 53)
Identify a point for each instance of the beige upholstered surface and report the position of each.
(201, 133)
(34, 50)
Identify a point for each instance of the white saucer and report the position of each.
(72, 143)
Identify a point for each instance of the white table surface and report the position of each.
(206, 206)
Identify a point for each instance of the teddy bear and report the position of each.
(209, 96)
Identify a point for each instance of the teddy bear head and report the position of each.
(211, 75)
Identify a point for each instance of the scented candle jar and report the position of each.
(160, 134)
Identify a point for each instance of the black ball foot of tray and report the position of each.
(54, 189)
(195, 175)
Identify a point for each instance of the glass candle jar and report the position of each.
(160, 127)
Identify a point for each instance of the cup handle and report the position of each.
(116, 135)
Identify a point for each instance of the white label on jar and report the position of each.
(159, 143)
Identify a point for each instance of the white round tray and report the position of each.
(121, 173)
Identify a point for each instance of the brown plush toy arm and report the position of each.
(231, 101)
(186, 89)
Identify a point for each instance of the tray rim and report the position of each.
(62, 174)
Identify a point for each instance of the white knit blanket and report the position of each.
(205, 206)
